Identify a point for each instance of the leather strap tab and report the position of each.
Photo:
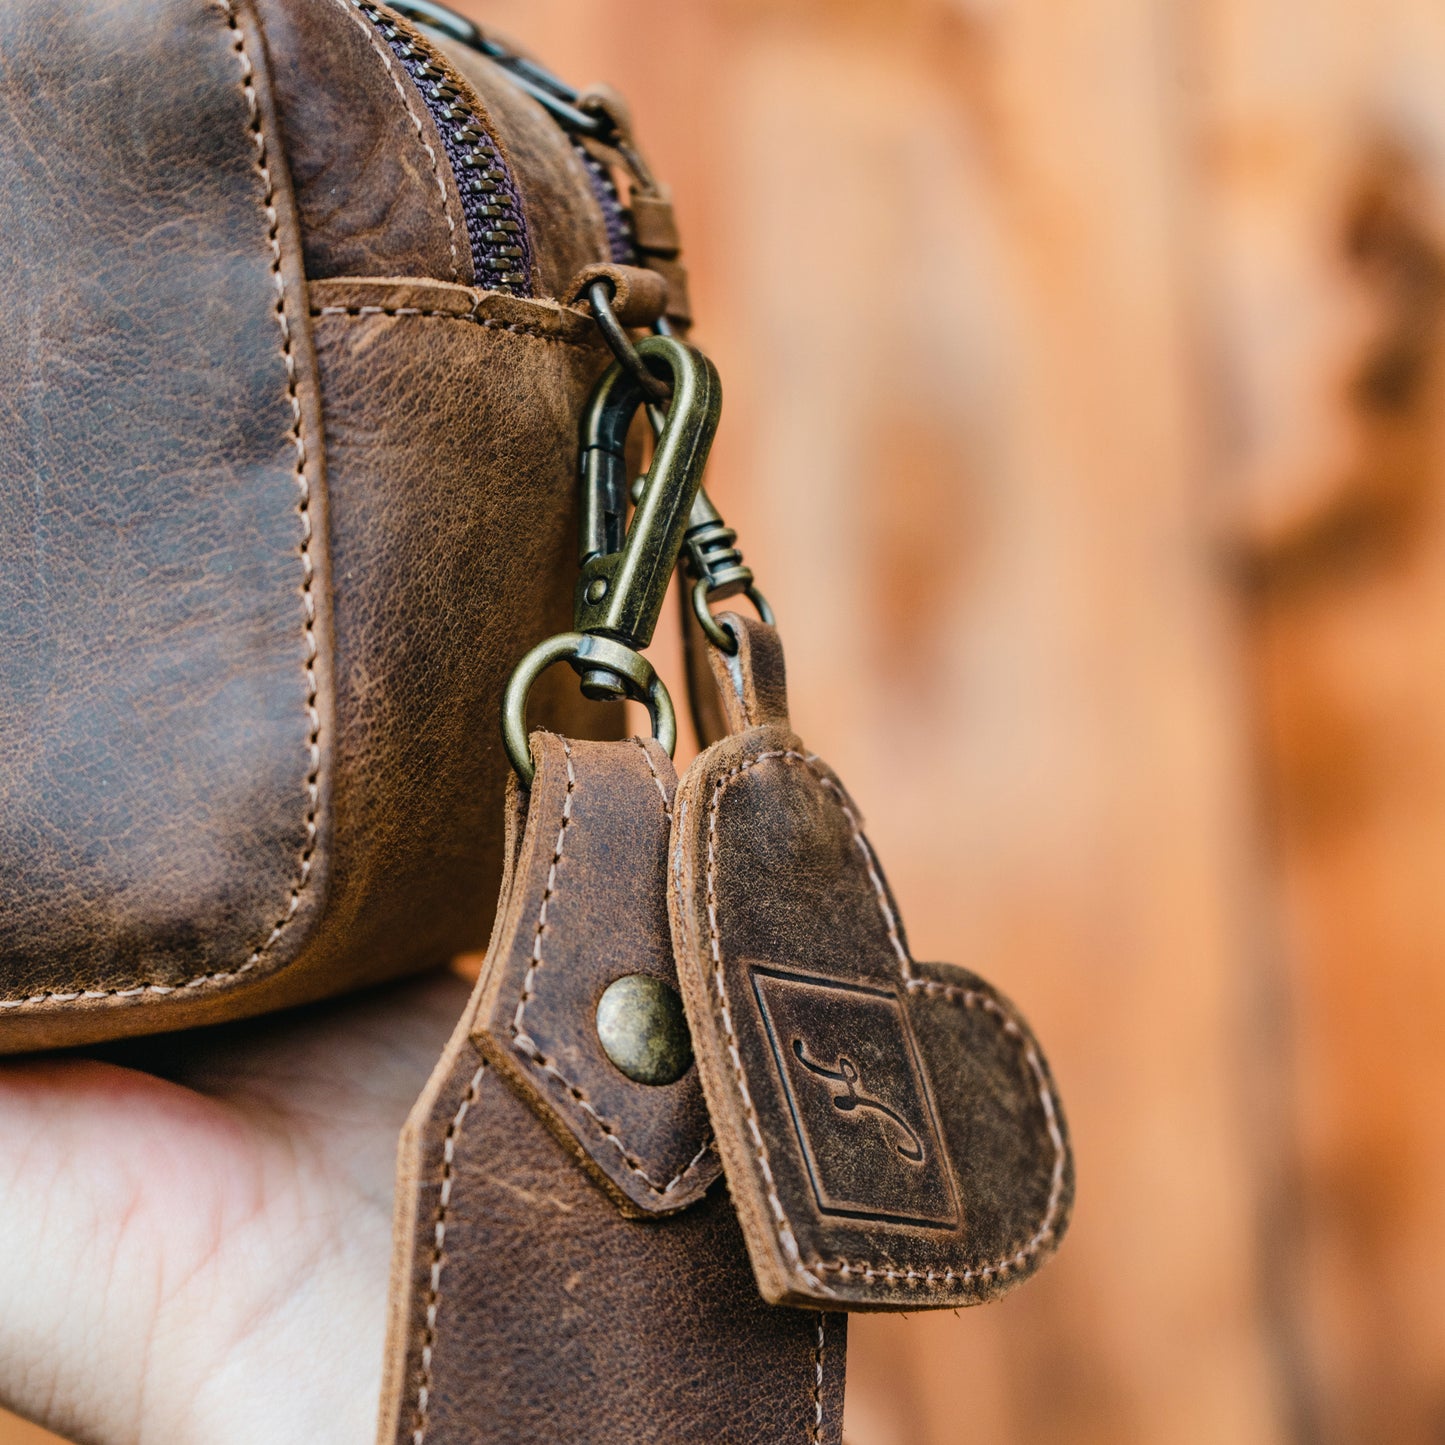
(639, 296)
(588, 907)
(752, 683)
(526, 1308)
(654, 226)
(679, 295)
(890, 1131)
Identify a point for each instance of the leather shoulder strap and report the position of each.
(525, 1304)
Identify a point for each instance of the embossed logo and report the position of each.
(858, 1097)
(911, 1147)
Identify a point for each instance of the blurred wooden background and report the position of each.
(1086, 424)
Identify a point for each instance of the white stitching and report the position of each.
(966, 998)
(308, 601)
(439, 1234)
(815, 1426)
(370, 32)
(875, 876)
(547, 893)
(652, 768)
(489, 323)
(1006, 1264)
(784, 1228)
(526, 1045)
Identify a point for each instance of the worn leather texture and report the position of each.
(164, 696)
(891, 1133)
(374, 192)
(268, 550)
(526, 1307)
(588, 906)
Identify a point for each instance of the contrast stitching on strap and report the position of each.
(815, 1425)
(966, 998)
(527, 1046)
(652, 768)
(438, 1258)
(416, 121)
(783, 1226)
(1019, 1258)
(308, 601)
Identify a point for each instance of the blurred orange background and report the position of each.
(1085, 424)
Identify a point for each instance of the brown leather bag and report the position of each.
(292, 386)
(288, 432)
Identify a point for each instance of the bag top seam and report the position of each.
(488, 323)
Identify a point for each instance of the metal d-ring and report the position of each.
(716, 633)
(585, 652)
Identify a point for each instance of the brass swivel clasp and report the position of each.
(626, 568)
(711, 557)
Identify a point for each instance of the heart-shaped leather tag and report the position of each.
(890, 1131)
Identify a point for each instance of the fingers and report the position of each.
(207, 1260)
(94, 1160)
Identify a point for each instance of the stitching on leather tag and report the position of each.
(890, 1132)
(588, 906)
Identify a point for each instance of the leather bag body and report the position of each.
(288, 411)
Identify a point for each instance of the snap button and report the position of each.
(643, 1031)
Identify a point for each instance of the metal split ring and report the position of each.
(600, 294)
(716, 633)
(587, 653)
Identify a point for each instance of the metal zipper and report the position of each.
(496, 227)
(614, 214)
(556, 96)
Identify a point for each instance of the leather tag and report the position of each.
(890, 1131)
(586, 907)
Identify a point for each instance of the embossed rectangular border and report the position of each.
(788, 975)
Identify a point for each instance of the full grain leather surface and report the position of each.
(163, 681)
(375, 194)
(588, 906)
(197, 823)
(891, 1133)
(525, 1307)
(558, 1319)
(452, 418)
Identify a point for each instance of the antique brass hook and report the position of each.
(626, 569)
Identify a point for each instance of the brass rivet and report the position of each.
(597, 589)
(643, 1030)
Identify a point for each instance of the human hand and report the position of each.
(195, 1242)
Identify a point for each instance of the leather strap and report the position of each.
(525, 1305)
(587, 907)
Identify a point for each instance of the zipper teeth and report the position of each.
(614, 215)
(496, 228)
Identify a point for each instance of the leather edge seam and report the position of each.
(523, 1043)
(270, 200)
